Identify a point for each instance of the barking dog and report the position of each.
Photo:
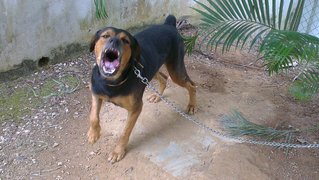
(113, 80)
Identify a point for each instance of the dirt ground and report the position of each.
(51, 142)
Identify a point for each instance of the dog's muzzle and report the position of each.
(110, 61)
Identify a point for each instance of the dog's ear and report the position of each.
(136, 50)
(94, 39)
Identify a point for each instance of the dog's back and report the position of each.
(160, 44)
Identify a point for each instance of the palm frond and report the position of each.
(238, 125)
(189, 42)
(100, 9)
(266, 23)
(235, 22)
(280, 48)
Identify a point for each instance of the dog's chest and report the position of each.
(125, 102)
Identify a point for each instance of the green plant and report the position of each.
(238, 125)
(306, 86)
(189, 42)
(265, 23)
(100, 9)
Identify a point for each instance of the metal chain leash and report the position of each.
(216, 133)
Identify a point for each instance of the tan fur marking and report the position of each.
(95, 128)
(162, 79)
(134, 109)
(185, 82)
(100, 43)
(123, 36)
(126, 51)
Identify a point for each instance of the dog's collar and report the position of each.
(120, 83)
(125, 75)
(136, 64)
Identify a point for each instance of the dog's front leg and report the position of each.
(95, 128)
(119, 150)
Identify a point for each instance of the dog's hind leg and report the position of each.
(162, 79)
(95, 128)
(178, 74)
(190, 86)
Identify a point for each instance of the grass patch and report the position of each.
(300, 92)
(19, 101)
(313, 129)
(15, 103)
(56, 87)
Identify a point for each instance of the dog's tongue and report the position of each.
(112, 65)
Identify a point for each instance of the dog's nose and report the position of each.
(114, 41)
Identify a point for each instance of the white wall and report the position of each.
(31, 29)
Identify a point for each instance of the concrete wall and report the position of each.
(32, 29)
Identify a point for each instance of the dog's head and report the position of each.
(114, 49)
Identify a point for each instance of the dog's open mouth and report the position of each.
(110, 61)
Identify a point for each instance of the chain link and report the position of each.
(213, 131)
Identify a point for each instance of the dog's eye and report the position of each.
(105, 35)
(125, 41)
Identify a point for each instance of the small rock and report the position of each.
(302, 141)
(129, 170)
(92, 153)
(60, 163)
(55, 145)
(26, 131)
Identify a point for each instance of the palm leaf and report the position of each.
(237, 125)
(280, 48)
(226, 20)
(264, 22)
(100, 9)
(189, 42)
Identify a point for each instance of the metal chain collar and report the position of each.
(216, 133)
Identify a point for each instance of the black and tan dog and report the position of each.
(113, 79)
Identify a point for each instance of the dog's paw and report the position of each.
(94, 134)
(117, 154)
(191, 109)
(153, 98)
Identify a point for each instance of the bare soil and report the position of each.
(51, 142)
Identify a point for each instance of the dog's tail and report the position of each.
(170, 20)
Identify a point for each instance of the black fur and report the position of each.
(170, 20)
(101, 86)
(152, 47)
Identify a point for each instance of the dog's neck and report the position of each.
(123, 78)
